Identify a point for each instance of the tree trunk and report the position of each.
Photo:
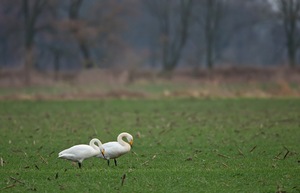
(292, 49)
(212, 19)
(56, 64)
(31, 15)
(83, 46)
(290, 10)
(28, 64)
(172, 49)
(88, 63)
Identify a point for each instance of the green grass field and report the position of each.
(180, 145)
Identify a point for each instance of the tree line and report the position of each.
(63, 35)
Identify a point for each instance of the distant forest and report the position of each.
(56, 35)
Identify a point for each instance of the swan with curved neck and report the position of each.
(78, 153)
(115, 149)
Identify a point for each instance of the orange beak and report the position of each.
(131, 143)
(103, 152)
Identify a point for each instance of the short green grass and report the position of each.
(180, 145)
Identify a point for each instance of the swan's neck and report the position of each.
(98, 142)
(121, 141)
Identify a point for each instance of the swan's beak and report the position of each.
(103, 152)
(131, 143)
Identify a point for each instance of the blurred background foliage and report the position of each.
(66, 37)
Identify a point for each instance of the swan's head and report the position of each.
(128, 137)
(130, 140)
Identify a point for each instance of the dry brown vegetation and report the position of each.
(117, 83)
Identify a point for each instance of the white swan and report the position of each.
(78, 153)
(117, 148)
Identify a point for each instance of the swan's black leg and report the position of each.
(79, 164)
(108, 162)
(115, 162)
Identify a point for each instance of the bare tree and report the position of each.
(74, 9)
(31, 10)
(174, 19)
(208, 15)
(95, 27)
(10, 31)
(290, 16)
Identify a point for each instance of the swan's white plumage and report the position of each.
(78, 153)
(117, 148)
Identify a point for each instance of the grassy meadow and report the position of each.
(180, 145)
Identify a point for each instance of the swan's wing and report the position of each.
(107, 149)
(78, 152)
(112, 150)
(111, 145)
